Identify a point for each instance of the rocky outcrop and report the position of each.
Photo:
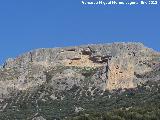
(121, 73)
(104, 66)
(52, 83)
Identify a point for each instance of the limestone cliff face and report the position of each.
(104, 66)
(121, 73)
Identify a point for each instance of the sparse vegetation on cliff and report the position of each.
(119, 81)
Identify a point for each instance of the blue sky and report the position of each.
(31, 24)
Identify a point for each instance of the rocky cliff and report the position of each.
(90, 67)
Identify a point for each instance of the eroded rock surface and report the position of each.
(123, 63)
(41, 75)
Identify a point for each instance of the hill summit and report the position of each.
(90, 68)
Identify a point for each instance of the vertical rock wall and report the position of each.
(121, 73)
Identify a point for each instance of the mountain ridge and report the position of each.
(84, 45)
(49, 75)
